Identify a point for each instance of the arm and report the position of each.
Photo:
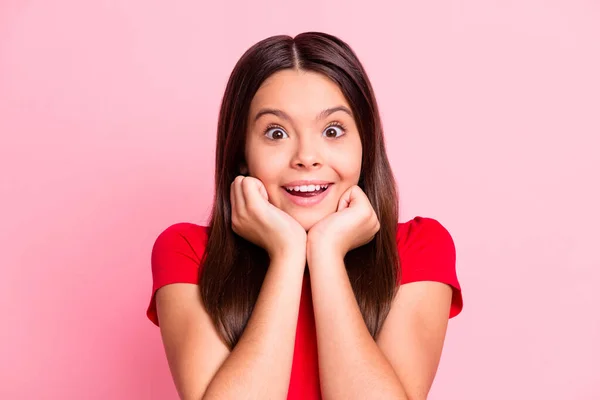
(403, 361)
(351, 366)
(260, 364)
(413, 334)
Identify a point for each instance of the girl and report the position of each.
(304, 285)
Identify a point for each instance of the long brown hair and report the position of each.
(234, 268)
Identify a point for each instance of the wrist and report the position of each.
(320, 250)
(295, 253)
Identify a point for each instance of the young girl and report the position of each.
(304, 285)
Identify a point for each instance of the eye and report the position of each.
(276, 132)
(334, 130)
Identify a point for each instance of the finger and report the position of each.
(347, 199)
(262, 190)
(240, 204)
(251, 193)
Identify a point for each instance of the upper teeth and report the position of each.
(306, 188)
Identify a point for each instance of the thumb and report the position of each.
(347, 199)
(263, 191)
(254, 191)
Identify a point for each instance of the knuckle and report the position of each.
(251, 208)
(234, 183)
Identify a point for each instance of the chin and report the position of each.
(308, 221)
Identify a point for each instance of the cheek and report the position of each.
(348, 165)
(354, 170)
(268, 167)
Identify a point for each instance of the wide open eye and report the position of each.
(334, 130)
(275, 132)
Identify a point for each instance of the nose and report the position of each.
(307, 153)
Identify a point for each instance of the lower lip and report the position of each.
(307, 201)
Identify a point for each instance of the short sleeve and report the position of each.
(427, 253)
(176, 258)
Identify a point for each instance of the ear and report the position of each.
(243, 169)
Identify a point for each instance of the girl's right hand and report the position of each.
(260, 222)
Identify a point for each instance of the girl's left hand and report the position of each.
(352, 225)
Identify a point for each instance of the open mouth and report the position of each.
(308, 191)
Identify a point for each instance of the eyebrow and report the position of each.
(281, 114)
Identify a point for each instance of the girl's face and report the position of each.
(301, 133)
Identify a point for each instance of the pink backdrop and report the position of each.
(107, 127)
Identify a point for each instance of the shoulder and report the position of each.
(177, 256)
(178, 248)
(181, 237)
(427, 252)
(421, 231)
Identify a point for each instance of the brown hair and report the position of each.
(234, 268)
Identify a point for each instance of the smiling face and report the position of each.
(301, 131)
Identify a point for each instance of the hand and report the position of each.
(260, 222)
(352, 225)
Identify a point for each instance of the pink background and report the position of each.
(107, 128)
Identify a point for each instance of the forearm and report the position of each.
(259, 366)
(351, 364)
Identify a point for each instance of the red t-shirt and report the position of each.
(426, 251)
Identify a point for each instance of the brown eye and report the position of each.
(276, 133)
(333, 131)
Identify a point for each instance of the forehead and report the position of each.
(299, 93)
